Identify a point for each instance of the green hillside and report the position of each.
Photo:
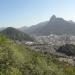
(21, 60)
(15, 34)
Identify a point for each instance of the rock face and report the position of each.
(55, 25)
(53, 18)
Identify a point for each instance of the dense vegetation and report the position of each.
(21, 60)
(15, 34)
(68, 49)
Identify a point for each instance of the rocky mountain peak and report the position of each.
(53, 17)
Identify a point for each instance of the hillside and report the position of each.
(67, 49)
(15, 34)
(23, 29)
(55, 25)
(2, 28)
(21, 60)
(33, 28)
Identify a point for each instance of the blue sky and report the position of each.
(17, 13)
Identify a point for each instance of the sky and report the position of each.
(18, 13)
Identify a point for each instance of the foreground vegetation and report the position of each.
(21, 60)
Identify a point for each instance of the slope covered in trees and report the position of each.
(15, 34)
(21, 60)
(67, 49)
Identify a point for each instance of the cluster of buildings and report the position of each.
(54, 39)
(49, 43)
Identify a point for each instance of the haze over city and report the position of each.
(18, 13)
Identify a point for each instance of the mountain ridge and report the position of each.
(55, 25)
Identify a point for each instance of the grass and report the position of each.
(21, 60)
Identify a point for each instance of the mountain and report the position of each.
(16, 34)
(2, 28)
(17, 59)
(55, 25)
(23, 29)
(33, 27)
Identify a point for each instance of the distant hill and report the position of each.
(33, 27)
(55, 25)
(2, 28)
(23, 29)
(15, 34)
